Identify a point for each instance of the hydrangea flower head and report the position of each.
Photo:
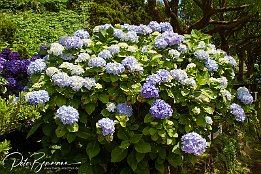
(56, 49)
(166, 26)
(124, 109)
(12, 83)
(238, 112)
(72, 42)
(172, 38)
(110, 107)
(67, 115)
(82, 57)
(149, 90)
(107, 125)
(160, 42)
(155, 26)
(14, 56)
(244, 96)
(89, 83)
(231, 60)
(193, 143)
(209, 120)
(61, 79)
(114, 49)
(37, 97)
(164, 75)
(76, 82)
(36, 67)
(179, 74)
(201, 55)
(189, 81)
(153, 79)
(174, 53)
(97, 62)
(160, 109)
(211, 65)
(82, 34)
(105, 54)
(114, 68)
(50, 71)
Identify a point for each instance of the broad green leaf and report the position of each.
(201, 121)
(33, 129)
(104, 98)
(89, 108)
(124, 144)
(70, 137)
(142, 147)
(139, 156)
(73, 127)
(60, 131)
(132, 161)
(85, 168)
(93, 149)
(84, 135)
(60, 100)
(135, 138)
(118, 154)
(159, 167)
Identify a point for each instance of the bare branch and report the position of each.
(225, 9)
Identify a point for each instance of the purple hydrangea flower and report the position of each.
(33, 58)
(114, 68)
(193, 143)
(14, 56)
(130, 36)
(143, 29)
(166, 26)
(16, 66)
(37, 97)
(155, 26)
(82, 34)
(114, 49)
(202, 55)
(105, 54)
(211, 65)
(179, 74)
(231, 60)
(12, 83)
(160, 42)
(244, 96)
(97, 62)
(67, 115)
(153, 79)
(71, 42)
(164, 75)
(149, 90)
(107, 125)
(129, 62)
(124, 109)
(172, 38)
(160, 109)
(238, 112)
(6, 51)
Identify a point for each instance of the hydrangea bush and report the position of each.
(134, 98)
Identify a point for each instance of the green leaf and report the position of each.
(201, 121)
(47, 130)
(159, 167)
(125, 144)
(84, 135)
(89, 108)
(122, 135)
(73, 127)
(85, 168)
(70, 137)
(93, 149)
(113, 78)
(174, 159)
(132, 161)
(60, 131)
(142, 147)
(104, 98)
(162, 152)
(135, 138)
(33, 129)
(122, 119)
(148, 118)
(118, 154)
(209, 109)
(60, 100)
(139, 156)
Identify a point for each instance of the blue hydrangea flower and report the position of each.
(153, 79)
(155, 26)
(114, 49)
(12, 83)
(238, 112)
(37, 97)
(166, 26)
(118, 33)
(130, 63)
(231, 60)
(107, 125)
(61, 79)
(172, 38)
(149, 90)
(244, 96)
(124, 109)
(183, 48)
(179, 74)
(143, 29)
(82, 34)
(97, 62)
(106, 26)
(130, 36)
(193, 143)
(67, 114)
(164, 75)
(72, 42)
(211, 65)
(174, 53)
(89, 83)
(105, 54)
(36, 67)
(67, 56)
(114, 68)
(160, 109)
(222, 81)
(202, 55)
(160, 42)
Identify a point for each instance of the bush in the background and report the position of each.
(8, 30)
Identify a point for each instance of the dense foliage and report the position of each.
(144, 92)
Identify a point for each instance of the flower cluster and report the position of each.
(149, 90)
(193, 143)
(36, 67)
(244, 96)
(67, 115)
(160, 109)
(114, 68)
(107, 125)
(124, 109)
(132, 64)
(238, 112)
(168, 38)
(37, 97)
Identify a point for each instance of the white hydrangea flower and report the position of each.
(110, 107)
(76, 82)
(208, 120)
(174, 53)
(87, 42)
(225, 93)
(191, 65)
(82, 57)
(50, 71)
(196, 110)
(132, 49)
(56, 49)
(66, 65)
(76, 70)
(89, 83)
(123, 45)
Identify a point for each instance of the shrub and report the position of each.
(135, 98)
(7, 30)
